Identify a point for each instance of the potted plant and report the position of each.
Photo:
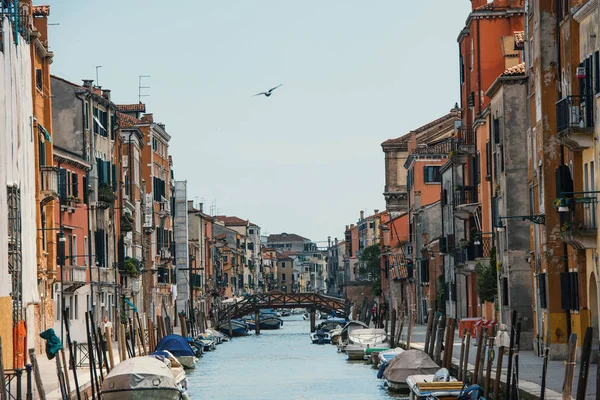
(127, 222)
(74, 200)
(106, 194)
(132, 266)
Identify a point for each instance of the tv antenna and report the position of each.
(140, 87)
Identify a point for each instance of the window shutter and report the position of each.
(99, 251)
(85, 191)
(106, 172)
(574, 290)
(505, 291)
(596, 73)
(75, 184)
(62, 183)
(114, 177)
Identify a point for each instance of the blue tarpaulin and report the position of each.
(176, 345)
(53, 343)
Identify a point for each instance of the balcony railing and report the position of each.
(574, 112)
(465, 195)
(464, 141)
(578, 225)
(74, 274)
(443, 147)
(49, 183)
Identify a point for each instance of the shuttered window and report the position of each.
(569, 290)
(542, 290)
(431, 174)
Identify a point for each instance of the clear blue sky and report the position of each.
(307, 159)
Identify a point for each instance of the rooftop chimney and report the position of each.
(201, 207)
(97, 90)
(362, 215)
(376, 211)
(87, 83)
(190, 205)
(161, 125)
(148, 118)
(475, 4)
(347, 227)
(106, 94)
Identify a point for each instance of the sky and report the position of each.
(305, 160)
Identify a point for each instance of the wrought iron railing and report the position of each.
(581, 215)
(49, 179)
(574, 112)
(465, 195)
(443, 147)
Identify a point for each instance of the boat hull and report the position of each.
(188, 362)
(397, 386)
(146, 394)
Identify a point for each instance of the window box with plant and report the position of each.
(106, 195)
(132, 267)
(127, 222)
(73, 200)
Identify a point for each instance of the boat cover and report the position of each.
(139, 373)
(407, 363)
(176, 345)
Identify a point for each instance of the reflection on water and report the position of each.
(282, 364)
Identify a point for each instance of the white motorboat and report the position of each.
(346, 331)
(439, 386)
(143, 378)
(405, 364)
(361, 339)
(335, 334)
(320, 337)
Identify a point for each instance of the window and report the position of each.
(70, 250)
(282, 277)
(85, 250)
(410, 179)
(251, 231)
(39, 83)
(283, 264)
(86, 116)
(71, 308)
(154, 144)
(76, 306)
(225, 258)
(74, 251)
(431, 174)
(488, 164)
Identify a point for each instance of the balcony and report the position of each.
(49, 184)
(396, 200)
(578, 225)
(478, 249)
(575, 122)
(465, 201)
(73, 278)
(464, 142)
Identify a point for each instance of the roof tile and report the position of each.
(516, 70)
(140, 107)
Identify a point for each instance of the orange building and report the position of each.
(487, 49)
(46, 176)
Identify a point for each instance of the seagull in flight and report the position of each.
(268, 92)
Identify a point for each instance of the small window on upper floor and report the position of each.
(39, 79)
(431, 174)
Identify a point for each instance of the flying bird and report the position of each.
(268, 92)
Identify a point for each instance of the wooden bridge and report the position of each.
(277, 299)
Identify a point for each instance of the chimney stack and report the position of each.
(190, 205)
(87, 83)
(97, 90)
(376, 211)
(475, 4)
(201, 207)
(106, 94)
(148, 118)
(362, 215)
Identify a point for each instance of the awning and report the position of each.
(73, 286)
(45, 132)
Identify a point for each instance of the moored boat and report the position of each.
(142, 378)
(405, 364)
(440, 386)
(336, 334)
(180, 348)
(320, 337)
(238, 327)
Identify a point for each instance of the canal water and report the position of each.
(282, 364)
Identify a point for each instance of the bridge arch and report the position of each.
(277, 299)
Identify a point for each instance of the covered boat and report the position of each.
(180, 348)
(331, 324)
(239, 327)
(405, 364)
(141, 378)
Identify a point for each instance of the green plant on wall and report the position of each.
(132, 266)
(370, 266)
(106, 194)
(487, 279)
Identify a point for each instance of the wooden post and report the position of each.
(433, 339)
(202, 322)
(462, 355)
(411, 325)
(64, 365)
(440, 335)
(183, 325)
(499, 372)
(354, 312)
(141, 333)
(393, 328)
(122, 344)
(257, 322)
(36, 374)
(480, 345)
(151, 337)
(488, 372)
(111, 360)
(545, 372)
(229, 324)
(159, 335)
(465, 364)
(482, 360)
(312, 320)
(449, 343)
(399, 337)
(450, 346)
(569, 368)
(585, 364)
(428, 330)
(515, 380)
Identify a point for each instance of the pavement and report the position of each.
(530, 369)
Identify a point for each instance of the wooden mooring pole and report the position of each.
(462, 355)
(499, 372)
(313, 322)
(257, 322)
(430, 317)
(438, 342)
(584, 369)
(433, 339)
(392, 331)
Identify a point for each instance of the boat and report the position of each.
(238, 327)
(142, 378)
(218, 336)
(386, 356)
(180, 348)
(372, 354)
(267, 321)
(286, 313)
(177, 369)
(361, 339)
(306, 316)
(405, 364)
(320, 337)
(331, 324)
(335, 334)
(346, 330)
(440, 386)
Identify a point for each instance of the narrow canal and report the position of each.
(282, 364)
